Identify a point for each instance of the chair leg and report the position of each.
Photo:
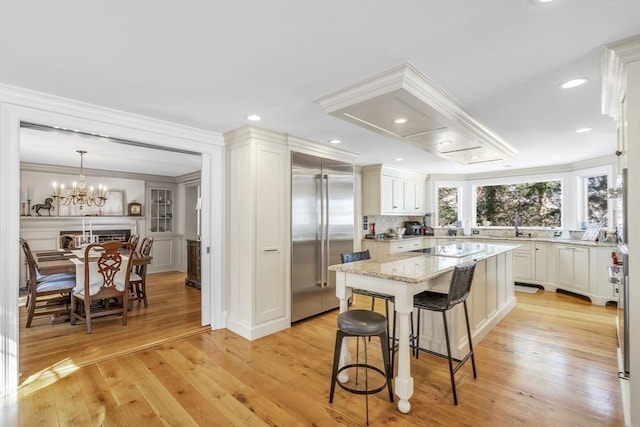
(417, 337)
(446, 336)
(388, 367)
(87, 314)
(144, 291)
(366, 379)
(31, 309)
(336, 361)
(466, 318)
(72, 312)
(393, 341)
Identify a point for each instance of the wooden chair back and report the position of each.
(108, 279)
(133, 239)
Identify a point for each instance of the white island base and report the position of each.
(405, 275)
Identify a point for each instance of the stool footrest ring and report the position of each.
(363, 365)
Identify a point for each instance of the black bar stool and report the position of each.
(362, 324)
(459, 289)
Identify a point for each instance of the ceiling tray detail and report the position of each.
(433, 120)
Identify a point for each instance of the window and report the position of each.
(538, 204)
(448, 205)
(596, 200)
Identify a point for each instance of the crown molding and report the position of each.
(68, 170)
(614, 58)
(609, 160)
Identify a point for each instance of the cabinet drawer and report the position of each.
(525, 247)
(405, 245)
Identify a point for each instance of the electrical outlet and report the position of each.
(475, 231)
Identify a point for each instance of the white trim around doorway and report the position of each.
(17, 105)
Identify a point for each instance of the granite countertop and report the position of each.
(533, 239)
(413, 267)
(510, 239)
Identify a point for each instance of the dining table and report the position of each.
(68, 261)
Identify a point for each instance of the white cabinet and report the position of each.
(378, 249)
(573, 268)
(392, 196)
(540, 259)
(389, 191)
(258, 232)
(160, 226)
(414, 198)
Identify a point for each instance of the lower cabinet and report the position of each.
(573, 268)
(193, 264)
(541, 262)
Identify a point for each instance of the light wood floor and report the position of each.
(173, 311)
(551, 362)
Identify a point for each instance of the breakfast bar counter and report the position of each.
(404, 275)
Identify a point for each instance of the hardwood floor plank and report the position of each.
(551, 361)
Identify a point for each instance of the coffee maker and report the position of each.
(413, 228)
(427, 230)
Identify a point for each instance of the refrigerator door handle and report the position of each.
(325, 266)
(323, 241)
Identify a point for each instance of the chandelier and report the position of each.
(79, 194)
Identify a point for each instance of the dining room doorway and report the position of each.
(27, 106)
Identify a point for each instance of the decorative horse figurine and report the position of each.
(47, 205)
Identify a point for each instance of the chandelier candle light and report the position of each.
(79, 194)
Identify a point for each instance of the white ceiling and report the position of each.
(208, 64)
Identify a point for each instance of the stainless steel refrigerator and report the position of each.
(321, 229)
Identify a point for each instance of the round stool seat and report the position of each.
(362, 322)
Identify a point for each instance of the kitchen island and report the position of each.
(404, 275)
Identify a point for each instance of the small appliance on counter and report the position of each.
(427, 230)
(413, 228)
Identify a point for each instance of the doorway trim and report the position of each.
(19, 104)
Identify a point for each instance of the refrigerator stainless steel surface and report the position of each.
(322, 209)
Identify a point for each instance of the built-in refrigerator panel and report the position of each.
(321, 229)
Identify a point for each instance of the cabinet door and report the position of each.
(414, 201)
(581, 269)
(523, 265)
(540, 254)
(392, 198)
(160, 210)
(564, 273)
(270, 300)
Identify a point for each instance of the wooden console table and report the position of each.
(193, 264)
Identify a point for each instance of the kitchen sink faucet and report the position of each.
(516, 219)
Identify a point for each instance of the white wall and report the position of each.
(38, 186)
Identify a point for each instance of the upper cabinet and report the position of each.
(161, 209)
(389, 191)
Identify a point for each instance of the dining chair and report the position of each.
(138, 278)
(133, 239)
(459, 289)
(105, 279)
(41, 288)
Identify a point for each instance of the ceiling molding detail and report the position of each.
(436, 121)
(70, 170)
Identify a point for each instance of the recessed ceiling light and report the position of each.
(583, 130)
(507, 166)
(399, 159)
(445, 142)
(335, 141)
(573, 83)
(400, 121)
(544, 1)
(475, 157)
(555, 156)
(254, 117)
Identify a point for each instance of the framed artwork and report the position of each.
(134, 209)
